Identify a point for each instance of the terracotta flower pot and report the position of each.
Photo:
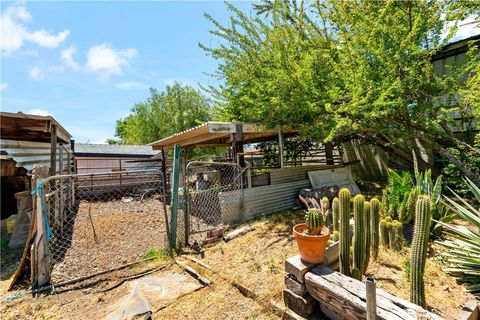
(311, 248)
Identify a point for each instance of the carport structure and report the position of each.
(224, 134)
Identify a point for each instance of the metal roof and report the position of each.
(29, 127)
(215, 134)
(88, 149)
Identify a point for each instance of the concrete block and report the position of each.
(297, 267)
(302, 305)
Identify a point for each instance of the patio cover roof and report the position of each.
(216, 134)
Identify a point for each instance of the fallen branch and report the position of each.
(194, 273)
(234, 234)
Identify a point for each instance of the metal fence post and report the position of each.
(174, 200)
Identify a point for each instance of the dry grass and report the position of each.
(254, 260)
(443, 295)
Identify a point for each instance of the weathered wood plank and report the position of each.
(348, 295)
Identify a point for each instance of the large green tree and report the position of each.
(350, 69)
(164, 113)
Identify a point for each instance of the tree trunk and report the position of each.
(456, 162)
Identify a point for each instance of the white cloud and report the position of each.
(14, 33)
(47, 40)
(3, 86)
(130, 85)
(106, 61)
(67, 58)
(36, 74)
(39, 74)
(39, 112)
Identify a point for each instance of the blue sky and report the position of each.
(88, 63)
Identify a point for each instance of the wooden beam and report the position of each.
(346, 297)
(53, 150)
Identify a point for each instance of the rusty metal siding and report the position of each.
(266, 199)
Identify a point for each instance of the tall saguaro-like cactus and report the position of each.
(374, 225)
(419, 249)
(344, 197)
(368, 241)
(335, 213)
(359, 236)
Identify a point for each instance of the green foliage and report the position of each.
(164, 113)
(419, 249)
(359, 235)
(342, 69)
(374, 226)
(396, 193)
(463, 245)
(344, 197)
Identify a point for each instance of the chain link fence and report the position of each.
(214, 194)
(102, 221)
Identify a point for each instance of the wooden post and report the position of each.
(174, 196)
(60, 199)
(237, 145)
(280, 147)
(249, 176)
(329, 152)
(42, 258)
(164, 192)
(53, 150)
(371, 298)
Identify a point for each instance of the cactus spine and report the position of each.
(315, 222)
(366, 214)
(419, 250)
(383, 233)
(358, 236)
(335, 213)
(374, 225)
(344, 196)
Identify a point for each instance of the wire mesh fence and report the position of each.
(101, 221)
(214, 194)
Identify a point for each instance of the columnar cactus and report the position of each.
(383, 233)
(374, 225)
(391, 235)
(359, 236)
(344, 197)
(398, 227)
(419, 249)
(411, 201)
(315, 222)
(366, 214)
(335, 213)
(325, 207)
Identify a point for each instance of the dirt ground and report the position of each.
(254, 261)
(118, 233)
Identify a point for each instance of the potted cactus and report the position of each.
(312, 236)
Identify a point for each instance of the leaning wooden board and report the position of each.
(345, 297)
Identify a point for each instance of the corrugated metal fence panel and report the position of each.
(28, 153)
(283, 175)
(267, 199)
(373, 160)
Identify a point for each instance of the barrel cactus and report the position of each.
(359, 236)
(344, 197)
(419, 249)
(315, 222)
(374, 225)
